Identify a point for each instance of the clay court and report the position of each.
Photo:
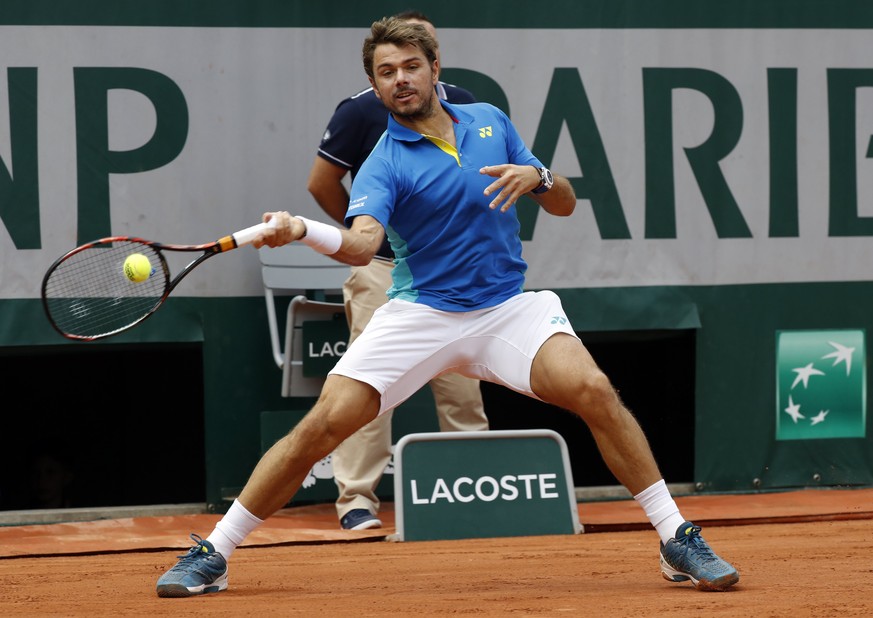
(804, 553)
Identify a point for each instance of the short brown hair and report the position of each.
(400, 33)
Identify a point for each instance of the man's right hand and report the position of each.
(286, 229)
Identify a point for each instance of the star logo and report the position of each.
(841, 355)
(838, 395)
(803, 374)
(819, 418)
(793, 410)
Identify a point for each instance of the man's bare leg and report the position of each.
(564, 374)
(344, 406)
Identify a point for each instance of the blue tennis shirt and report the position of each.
(452, 252)
(356, 125)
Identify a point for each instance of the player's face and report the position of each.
(404, 81)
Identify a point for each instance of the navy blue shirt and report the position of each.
(357, 124)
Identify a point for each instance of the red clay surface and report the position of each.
(807, 553)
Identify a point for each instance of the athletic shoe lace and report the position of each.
(696, 544)
(193, 554)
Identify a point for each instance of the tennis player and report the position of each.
(358, 463)
(442, 183)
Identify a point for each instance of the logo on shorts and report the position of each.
(820, 384)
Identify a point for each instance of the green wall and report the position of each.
(733, 435)
(450, 13)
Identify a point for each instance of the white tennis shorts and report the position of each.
(407, 344)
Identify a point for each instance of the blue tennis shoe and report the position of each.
(687, 556)
(202, 570)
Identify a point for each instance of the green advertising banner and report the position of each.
(482, 484)
(821, 384)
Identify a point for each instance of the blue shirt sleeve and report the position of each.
(374, 191)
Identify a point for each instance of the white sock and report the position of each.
(661, 510)
(232, 529)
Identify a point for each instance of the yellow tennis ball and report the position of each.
(137, 267)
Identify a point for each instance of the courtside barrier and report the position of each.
(478, 484)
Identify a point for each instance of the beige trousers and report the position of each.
(359, 461)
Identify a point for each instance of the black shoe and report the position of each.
(359, 519)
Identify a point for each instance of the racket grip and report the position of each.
(244, 237)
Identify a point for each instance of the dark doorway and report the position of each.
(102, 425)
(654, 374)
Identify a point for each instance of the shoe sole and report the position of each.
(708, 585)
(177, 591)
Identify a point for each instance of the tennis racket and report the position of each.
(87, 295)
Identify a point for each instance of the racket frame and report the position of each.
(208, 250)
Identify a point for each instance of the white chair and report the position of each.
(307, 276)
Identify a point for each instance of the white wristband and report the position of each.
(324, 238)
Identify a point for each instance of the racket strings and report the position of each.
(88, 294)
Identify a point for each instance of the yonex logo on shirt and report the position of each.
(357, 203)
(559, 320)
(486, 132)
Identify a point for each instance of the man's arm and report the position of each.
(326, 186)
(560, 200)
(356, 246)
(361, 241)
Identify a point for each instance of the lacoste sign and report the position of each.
(477, 484)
